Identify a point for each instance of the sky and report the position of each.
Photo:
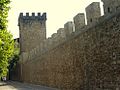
(58, 12)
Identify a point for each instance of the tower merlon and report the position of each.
(44, 16)
(19, 18)
(21, 15)
(54, 35)
(33, 14)
(27, 14)
(79, 21)
(93, 12)
(39, 14)
(61, 32)
(68, 27)
(111, 6)
(26, 18)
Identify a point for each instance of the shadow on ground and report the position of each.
(11, 85)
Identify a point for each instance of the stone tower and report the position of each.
(111, 6)
(93, 12)
(32, 30)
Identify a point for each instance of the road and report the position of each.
(20, 86)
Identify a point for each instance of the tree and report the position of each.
(6, 40)
(15, 57)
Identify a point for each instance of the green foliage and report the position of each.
(6, 41)
(6, 51)
(15, 58)
(13, 62)
(4, 8)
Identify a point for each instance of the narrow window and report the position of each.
(108, 10)
(91, 20)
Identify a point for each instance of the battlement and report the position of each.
(79, 21)
(86, 58)
(32, 28)
(68, 32)
(111, 6)
(68, 27)
(93, 12)
(61, 32)
(32, 17)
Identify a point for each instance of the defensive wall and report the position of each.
(87, 58)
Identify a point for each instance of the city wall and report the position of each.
(86, 59)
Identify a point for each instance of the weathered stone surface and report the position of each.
(32, 31)
(79, 21)
(93, 12)
(88, 59)
(68, 27)
(111, 6)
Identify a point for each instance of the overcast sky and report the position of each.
(58, 12)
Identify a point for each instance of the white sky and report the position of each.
(58, 12)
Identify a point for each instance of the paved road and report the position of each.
(19, 86)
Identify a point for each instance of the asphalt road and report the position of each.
(20, 86)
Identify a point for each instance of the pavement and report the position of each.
(11, 85)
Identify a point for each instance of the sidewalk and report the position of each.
(6, 86)
(2, 83)
(31, 86)
(11, 85)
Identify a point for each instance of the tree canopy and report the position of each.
(6, 39)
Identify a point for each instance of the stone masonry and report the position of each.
(32, 29)
(87, 58)
(79, 21)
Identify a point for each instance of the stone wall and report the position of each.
(88, 60)
(111, 6)
(84, 59)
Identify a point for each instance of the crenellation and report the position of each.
(68, 27)
(54, 37)
(111, 6)
(39, 14)
(44, 16)
(79, 21)
(84, 56)
(34, 17)
(93, 12)
(32, 28)
(33, 14)
(21, 15)
(62, 33)
(27, 14)
(60, 30)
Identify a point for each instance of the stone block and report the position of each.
(93, 12)
(79, 21)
